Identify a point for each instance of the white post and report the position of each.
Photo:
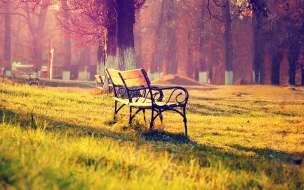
(51, 63)
(66, 75)
(228, 77)
(203, 77)
(8, 73)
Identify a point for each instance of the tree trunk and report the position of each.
(160, 43)
(190, 56)
(111, 47)
(284, 67)
(101, 58)
(275, 68)
(74, 72)
(138, 44)
(302, 47)
(258, 48)
(38, 39)
(66, 75)
(266, 66)
(7, 40)
(84, 62)
(302, 77)
(294, 58)
(37, 34)
(170, 55)
(203, 78)
(67, 59)
(125, 35)
(228, 43)
(110, 44)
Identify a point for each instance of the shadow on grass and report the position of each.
(294, 158)
(26, 120)
(163, 136)
(29, 120)
(182, 149)
(121, 133)
(35, 121)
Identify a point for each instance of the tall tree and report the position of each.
(203, 78)
(226, 15)
(138, 42)
(160, 42)
(301, 56)
(125, 35)
(260, 10)
(83, 67)
(7, 39)
(36, 12)
(294, 11)
(66, 75)
(111, 18)
(171, 45)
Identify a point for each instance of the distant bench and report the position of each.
(100, 82)
(133, 88)
(22, 79)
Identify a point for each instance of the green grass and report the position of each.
(240, 137)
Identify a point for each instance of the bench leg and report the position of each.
(144, 112)
(186, 132)
(152, 119)
(137, 111)
(185, 120)
(130, 117)
(159, 114)
(115, 107)
(161, 117)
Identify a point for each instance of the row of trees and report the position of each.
(107, 23)
(217, 41)
(227, 41)
(23, 20)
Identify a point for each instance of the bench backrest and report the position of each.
(134, 78)
(136, 83)
(99, 80)
(114, 77)
(116, 82)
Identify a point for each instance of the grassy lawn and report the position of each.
(240, 137)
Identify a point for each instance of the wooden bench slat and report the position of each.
(101, 82)
(114, 76)
(98, 79)
(131, 74)
(136, 82)
(117, 81)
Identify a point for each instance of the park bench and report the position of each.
(100, 82)
(33, 80)
(22, 79)
(133, 88)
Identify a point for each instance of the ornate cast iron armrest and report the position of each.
(157, 93)
(120, 92)
(138, 93)
(176, 94)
